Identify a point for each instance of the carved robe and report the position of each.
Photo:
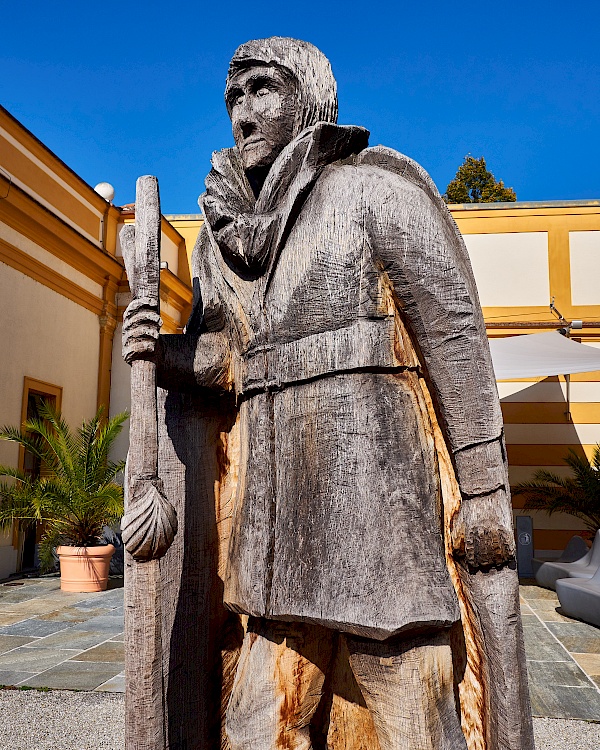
(338, 317)
(337, 515)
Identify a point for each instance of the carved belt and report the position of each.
(366, 344)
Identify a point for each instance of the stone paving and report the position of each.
(53, 639)
(563, 658)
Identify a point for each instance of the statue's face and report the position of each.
(262, 102)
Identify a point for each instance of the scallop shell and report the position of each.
(150, 522)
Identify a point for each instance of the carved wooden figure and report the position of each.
(330, 437)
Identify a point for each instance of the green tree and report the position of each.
(76, 494)
(578, 495)
(474, 183)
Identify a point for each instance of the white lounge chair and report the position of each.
(550, 572)
(573, 552)
(580, 598)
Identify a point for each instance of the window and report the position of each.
(34, 393)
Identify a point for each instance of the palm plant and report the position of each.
(578, 494)
(76, 494)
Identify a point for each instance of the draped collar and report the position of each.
(249, 231)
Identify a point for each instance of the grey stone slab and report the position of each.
(72, 639)
(560, 702)
(9, 618)
(8, 642)
(115, 593)
(581, 644)
(541, 646)
(9, 677)
(557, 673)
(16, 597)
(97, 603)
(533, 622)
(553, 615)
(74, 615)
(590, 663)
(105, 599)
(42, 605)
(111, 651)
(108, 623)
(23, 592)
(115, 685)
(530, 593)
(577, 637)
(90, 605)
(560, 629)
(541, 605)
(34, 607)
(33, 627)
(75, 676)
(33, 659)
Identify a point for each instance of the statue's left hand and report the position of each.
(482, 531)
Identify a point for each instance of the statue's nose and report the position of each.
(244, 114)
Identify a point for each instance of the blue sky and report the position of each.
(119, 90)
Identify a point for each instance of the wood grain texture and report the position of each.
(150, 522)
(331, 436)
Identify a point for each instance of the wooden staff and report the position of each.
(150, 523)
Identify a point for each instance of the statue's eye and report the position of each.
(238, 99)
(263, 91)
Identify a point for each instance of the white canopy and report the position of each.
(541, 355)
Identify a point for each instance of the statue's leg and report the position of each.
(408, 687)
(278, 685)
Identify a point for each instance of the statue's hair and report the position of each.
(316, 87)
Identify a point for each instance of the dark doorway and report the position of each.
(32, 467)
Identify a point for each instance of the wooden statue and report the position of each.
(330, 437)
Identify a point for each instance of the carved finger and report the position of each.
(142, 317)
(140, 302)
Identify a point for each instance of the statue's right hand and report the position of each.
(141, 327)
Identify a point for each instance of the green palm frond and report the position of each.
(32, 443)
(16, 504)
(78, 495)
(60, 445)
(577, 495)
(100, 467)
(11, 471)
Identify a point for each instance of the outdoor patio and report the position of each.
(53, 639)
(57, 640)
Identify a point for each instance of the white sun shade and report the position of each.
(541, 355)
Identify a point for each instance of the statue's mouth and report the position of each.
(253, 142)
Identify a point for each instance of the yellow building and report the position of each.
(523, 256)
(63, 291)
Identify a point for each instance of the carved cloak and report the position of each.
(367, 316)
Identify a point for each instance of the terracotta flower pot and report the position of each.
(84, 568)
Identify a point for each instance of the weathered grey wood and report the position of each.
(201, 638)
(149, 523)
(332, 437)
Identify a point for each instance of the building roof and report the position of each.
(522, 204)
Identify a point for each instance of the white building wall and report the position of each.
(584, 250)
(44, 336)
(511, 269)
